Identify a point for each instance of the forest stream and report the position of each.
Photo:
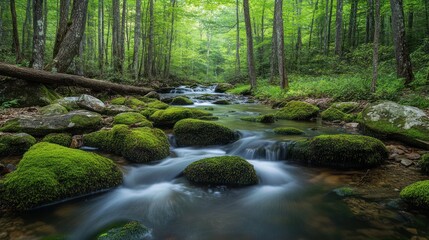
(289, 202)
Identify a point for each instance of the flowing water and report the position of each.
(290, 202)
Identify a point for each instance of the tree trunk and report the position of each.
(298, 45)
(325, 29)
(312, 23)
(426, 16)
(122, 36)
(170, 40)
(150, 50)
(38, 32)
(339, 28)
(353, 24)
(249, 36)
(376, 44)
(116, 39)
(369, 22)
(45, 77)
(274, 49)
(278, 14)
(26, 29)
(237, 40)
(101, 36)
(329, 27)
(16, 48)
(403, 61)
(1, 24)
(137, 41)
(62, 25)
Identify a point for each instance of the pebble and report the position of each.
(412, 156)
(406, 162)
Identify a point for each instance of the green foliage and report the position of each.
(288, 131)
(424, 164)
(10, 104)
(15, 144)
(417, 194)
(225, 170)
(49, 173)
(130, 231)
(193, 132)
(296, 110)
(63, 139)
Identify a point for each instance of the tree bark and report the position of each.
(312, 23)
(249, 36)
(122, 36)
(329, 27)
(16, 48)
(376, 44)
(137, 40)
(278, 14)
(353, 24)
(170, 40)
(62, 25)
(26, 29)
(369, 37)
(38, 35)
(339, 28)
(403, 60)
(116, 39)
(237, 40)
(150, 50)
(101, 36)
(274, 49)
(325, 29)
(46, 77)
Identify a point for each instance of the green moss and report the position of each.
(15, 144)
(417, 194)
(118, 101)
(344, 191)
(48, 95)
(137, 145)
(223, 87)
(134, 103)
(424, 164)
(225, 170)
(147, 112)
(53, 109)
(181, 101)
(296, 110)
(268, 118)
(332, 114)
(288, 131)
(63, 139)
(130, 231)
(83, 121)
(240, 90)
(222, 102)
(346, 107)
(132, 118)
(158, 105)
(339, 151)
(11, 125)
(49, 173)
(193, 132)
(208, 118)
(169, 116)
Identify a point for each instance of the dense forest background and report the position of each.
(149, 41)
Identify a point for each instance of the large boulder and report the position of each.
(339, 151)
(181, 101)
(169, 116)
(223, 87)
(69, 102)
(267, 118)
(138, 145)
(394, 121)
(49, 173)
(417, 194)
(332, 114)
(129, 231)
(225, 170)
(116, 109)
(63, 139)
(15, 143)
(26, 93)
(91, 103)
(194, 132)
(132, 118)
(53, 109)
(74, 122)
(288, 131)
(296, 110)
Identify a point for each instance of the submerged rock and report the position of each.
(91, 103)
(288, 131)
(225, 170)
(129, 231)
(63, 139)
(74, 122)
(169, 116)
(417, 194)
(339, 151)
(49, 173)
(53, 109)
(15, 144)
(193, 132)
(222, 102)
(268, 118)
(296, 110)
(394, 121)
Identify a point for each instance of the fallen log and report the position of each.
(45, 77)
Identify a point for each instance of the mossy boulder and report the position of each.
(222, 102)
(193, 132)
(417, 194)
(158, 105)
(49, 173)
(73, 122)
(53, 109)
(129, 231)
(15, 143)
(225, 170)
(169, 116)
(288, 131)
(296, 110)
(268, 118)
(147, 112)
(91, 103)
(332, 114)
(223, 87)
(424, 164)
(131, 102)
(394, 121)
(339, 151)
(63, 139)
(70, 103)
(132, 118)
(346, 107)
(181, 101)
(118, 101)
(116, 109)
(26, 93)
(138, 145)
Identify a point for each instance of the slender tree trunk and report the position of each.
(369, 22)
(329, 26)
(69, 47)
(312, 23)
(426, 16)
(1, 24)
(116, 39)
(101, 36)
(376, 44)
(298, 45)
(353, 23)
(403, 60)
(274, 49)
(38, 32)
(249, 36)
(410, 26)
(62, 25)
(325, 29)
(26, 29)
(137, 41)
(278, 14)
(237, 40)
(45, 19)
(150, 53)
(170, 40)
(122, 36)
(16, 47)
(339, 28)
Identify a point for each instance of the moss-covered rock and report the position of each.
(222, 102)
(288, 131)
(339, 151)
(117, 109)
(181, 101)
(424, 164)
(225, 170)
(158, 105)
(346, 107)
(70, 103)
(137, 145)
(132, 118)
(268, 118)
(53, 109)
(49, 173)
(296, 110)
(223, 87)
(63, 139)
(193, 132)
(129, 231)
(147, 112)
(26, 93)
(208, 118)
(118, 101)
(15, 144)
(169, 116)
(417, 194)
(394, 121)
(74, 122)
(332, 114)
(91, 103)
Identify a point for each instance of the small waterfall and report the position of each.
(182, 90)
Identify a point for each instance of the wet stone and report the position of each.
(412, 156)
(407, 162)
